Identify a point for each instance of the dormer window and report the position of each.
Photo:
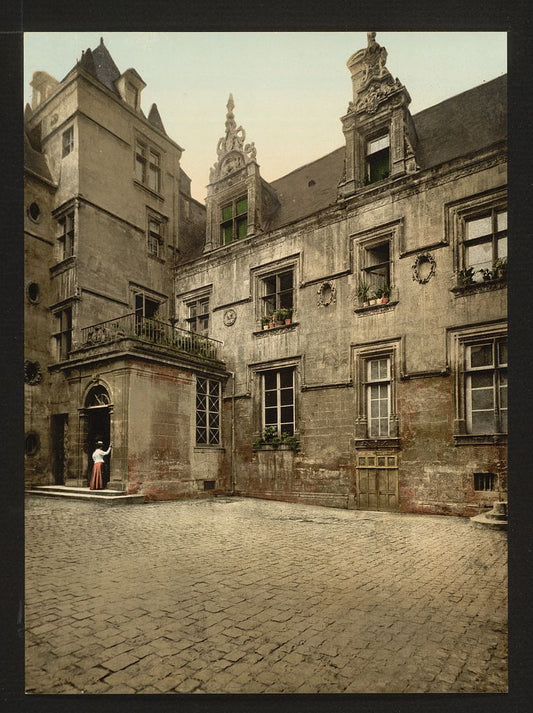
(234, 224)
(132, 94)
(377, 159)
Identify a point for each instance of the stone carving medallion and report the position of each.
(230, 317)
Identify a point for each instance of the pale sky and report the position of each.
(290, 88)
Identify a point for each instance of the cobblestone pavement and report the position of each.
(251, 596)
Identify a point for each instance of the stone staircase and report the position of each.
(109, 496)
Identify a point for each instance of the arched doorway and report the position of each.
(97, 426)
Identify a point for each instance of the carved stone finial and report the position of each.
(232, 152)
(371, 38)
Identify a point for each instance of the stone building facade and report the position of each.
(336, 336)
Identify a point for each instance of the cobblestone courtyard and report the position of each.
(250, 596)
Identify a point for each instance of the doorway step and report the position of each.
(106, 497)
(496, 518)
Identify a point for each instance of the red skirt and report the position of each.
(96, 482)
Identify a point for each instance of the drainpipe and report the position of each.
(232, 471)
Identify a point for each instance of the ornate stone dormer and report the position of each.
(378, 128)
(237, 197)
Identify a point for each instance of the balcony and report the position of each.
(151, 331)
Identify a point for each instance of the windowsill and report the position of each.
(475, 287)
(209, 449)
(268, 447)
(63, 264)
(384, 442)
(380, 307)
(277, 329)
(156, 258)
(151, 191)
(471, 439)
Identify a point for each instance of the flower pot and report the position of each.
(366, 303)
(288, 320)
(279, 323)
(384, 300)
(373, 302)
(271, 325)
(265, 326)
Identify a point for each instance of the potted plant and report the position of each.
(374, 298)
(271, 321)
(500, 268)
(487, 274)
(265, 319)
(385, 294)
(466, 276)
(286, 315)
(278, 317)
(363, 291)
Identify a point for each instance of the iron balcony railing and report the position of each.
(153, 331)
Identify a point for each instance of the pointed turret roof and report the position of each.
(155, 119)
(100, 64)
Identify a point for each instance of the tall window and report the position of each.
(376, 265)
(485, 241)
(207, 412)
(378, 159)
(234, 223)
(155, 238)
(278, 400)
(68, 141)
(278, 291)
(198, 319)
(66, 238)
(378, 396)
(147, 166)
(486, 387)
(63, 333)
(144, 306)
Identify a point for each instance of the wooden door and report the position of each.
(377, 481)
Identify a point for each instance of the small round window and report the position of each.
(34, 292)
(32, 443)
(34, 212)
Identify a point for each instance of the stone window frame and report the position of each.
(64, 328)
(458, 339)
(365, 240)
(456, 214)
(155, 238)
(67, 141)
(143, 149)
(362, 354)
(137, 291)
(209, 442)
(256, 389)
(67, 229)
(258, 276)
(235, 219)
(184, 302)
(370, 138)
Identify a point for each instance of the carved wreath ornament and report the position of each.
(327, 294)
(424, 268)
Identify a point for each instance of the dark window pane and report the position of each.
(270, 398)
(242, 206)
(227, 212)
(481, 355)
(286, 378)
(285, 280)
(271, 417)
(287, 414)
(270, 380)
(242, 227)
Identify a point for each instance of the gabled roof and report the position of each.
(461, 125)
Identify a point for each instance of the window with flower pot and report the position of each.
(485, 244)
(207, 412)
(477, 229)
(374, 253)
(278, 407)
(278, 294)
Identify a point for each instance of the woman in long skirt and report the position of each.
(96, 482)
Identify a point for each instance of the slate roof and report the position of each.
(100, 64)
(463, 124)
(35, 161)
